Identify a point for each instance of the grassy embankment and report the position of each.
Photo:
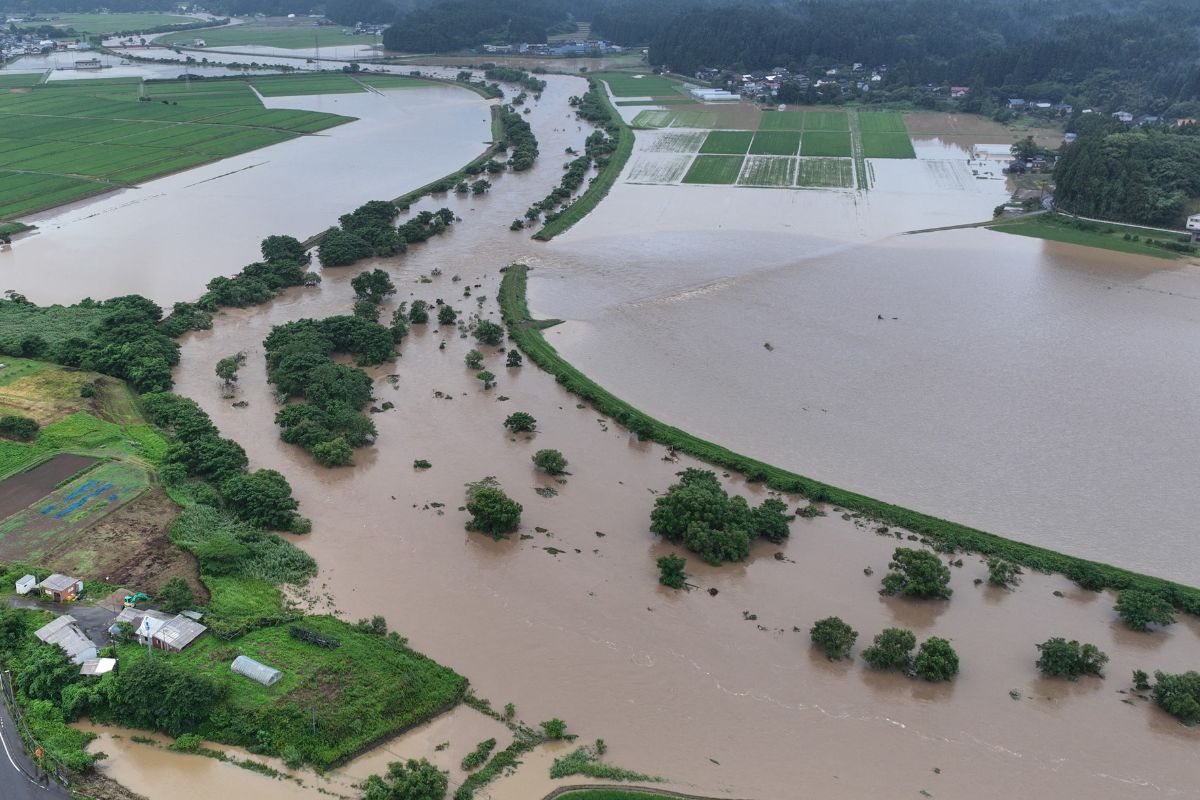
(599, 187)
(942, 534)
(331, 704)
(105, 24)
(1119, 238)
(67, 140)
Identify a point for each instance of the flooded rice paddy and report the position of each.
(1000, 395)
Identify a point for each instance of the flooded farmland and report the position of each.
(991, 398)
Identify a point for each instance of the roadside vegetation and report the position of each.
(1107, 236)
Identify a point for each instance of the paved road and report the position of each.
(17, 772)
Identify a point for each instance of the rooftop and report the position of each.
(58, 583)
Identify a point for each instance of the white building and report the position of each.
(1193, 226)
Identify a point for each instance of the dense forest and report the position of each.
(1148, 175)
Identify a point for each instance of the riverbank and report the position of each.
(944, 535)
(1119, 238)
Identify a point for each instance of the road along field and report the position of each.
(66, 140)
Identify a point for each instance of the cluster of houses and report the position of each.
(172, 633)
(579, 48)
(764, 85)
(30, 44)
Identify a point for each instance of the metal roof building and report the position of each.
(98, 666)
(255, 671)
(67, 635)
(178, 633)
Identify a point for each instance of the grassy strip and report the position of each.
(1056, 228)
(494, 768)
(9, 228)
(943, 534)
(598, 188)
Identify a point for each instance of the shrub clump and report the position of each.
(833, 636)
(917, 573)
(492, 511)
(936, 660)
(891, 649)
(520, 421)
(1141, 609)
(1062, 659)
(550, 461)
(670, 571)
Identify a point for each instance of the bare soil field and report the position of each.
(131, 547)
(20, 490)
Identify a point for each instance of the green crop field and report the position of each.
(836, 173)
(658, 101)
(826, 121)
(66, 140)
(675, 119)
(102, 24)
(727, 142)
(768, 171)
(295, 34)
(825, 143)
(16, 80)
(781, 121)
(393, 81)
(775, 143)
(628, 84)
(887, 145)
(881, 122)
(714, 169)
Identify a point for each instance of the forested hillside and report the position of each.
(1147, 175)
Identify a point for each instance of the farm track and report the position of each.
(862, 182)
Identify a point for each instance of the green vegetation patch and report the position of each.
(945, 535)
(714, 169)
(394, 81)
(781, 121)
(102, 24)
(881, 122)
(628, 84)
(367, 688)
(18, 80)
(1056, 228)
(826, 121)
(886, 145)
(658, 101)
(295, 85)
(775, 143)
(825, 143)
(727, 142)
(836, 173)
(768, 171)
(296, 34)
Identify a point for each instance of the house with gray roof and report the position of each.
(65, 632)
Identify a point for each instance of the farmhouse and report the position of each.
(144, 622)
(61, 588)
(177, 633)
(1193, 226)
(65, 633)
(1123, 116)
(256, 671)
(958, 91)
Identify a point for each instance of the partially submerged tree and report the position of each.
(1062, 659)
(917, 573)
(1003, 573)
(1140, 609)
(489, 332)
(1179, 695)
(550, 461)
(833, 636)
(520, 421)
(891, 649)
(670, 571)
(412, 780)
(936, 660)
(473, 359)
(492, 511)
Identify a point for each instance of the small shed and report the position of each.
(255, 671)
(177, 633)
(98, 666)
(62, 588)
(26, 584)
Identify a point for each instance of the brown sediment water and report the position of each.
(682, 685)
(671, 293)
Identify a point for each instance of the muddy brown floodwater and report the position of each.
(683, 684)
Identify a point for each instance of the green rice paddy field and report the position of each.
(714, 169)
(627, 84)
(775, 143)
(66, 140)
(296, 34)
(102, 24)
(825, 143)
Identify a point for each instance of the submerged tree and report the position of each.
(492, 511)
(891, 649)
(1062, 659)
(833, 636)
(936, 660)
(917, 573)
(550, 461)
(670, 571)
(1140, 609)
(519, 421)
(412, 780)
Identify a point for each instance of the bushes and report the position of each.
(1003, 573)
(917, 573)
(947, 535)
(231, 548)
(197, 447)
(374, 285)
(833, 636)
(22, 429)
(554, 728)
(489, 332)
(519, 137)
(412, 780)
(263, 497)
(892, 649)
(670, 571)
(151, 693)
(476, 757)
(368, 231)
(339, 248)
(174, 596)
(284, 264)
(1062, 659)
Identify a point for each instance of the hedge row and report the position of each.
(943, 534)
(598, 189)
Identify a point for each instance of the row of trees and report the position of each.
(369, 231)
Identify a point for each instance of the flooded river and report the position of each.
(991, 398)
